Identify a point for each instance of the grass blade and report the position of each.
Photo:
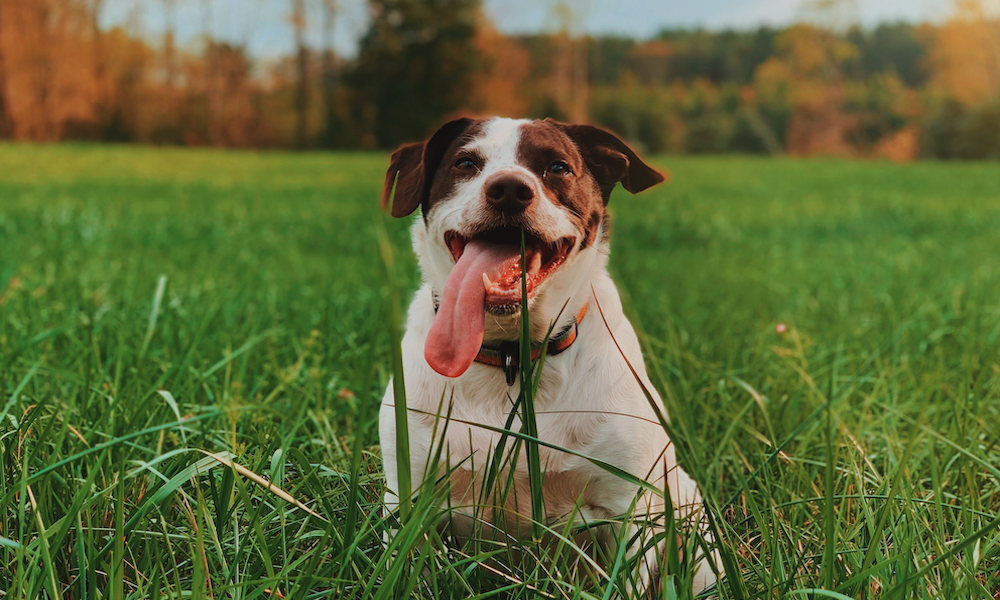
(161, 286)
(829, 525)
(528, 389)
(398, 382)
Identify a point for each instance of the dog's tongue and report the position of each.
(457, 332)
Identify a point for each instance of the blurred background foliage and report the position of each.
(899, 91)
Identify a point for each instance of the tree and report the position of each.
(720, 57)
(236, 121)
(330, 128)
(127, 67)
(569, 78)
(806, 74)
(170, 59)
(891, 48)
(100, 100)
(414, 68)
(212, 94)
(302, 78)
(651, 61)
(965, 55)
(43, 66)
(500, 85)
(6, 123)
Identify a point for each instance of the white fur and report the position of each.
(589, 401)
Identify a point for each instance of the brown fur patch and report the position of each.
(447, 174)
(544, 143)
(415, 168)
(610, 160)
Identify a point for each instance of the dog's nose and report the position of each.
(509, 193)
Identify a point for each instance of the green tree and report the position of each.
(894, 48)
(720, 57)
(414, 67)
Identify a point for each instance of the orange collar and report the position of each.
(507, 354)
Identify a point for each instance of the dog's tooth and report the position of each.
(536, 263)
(486, 282)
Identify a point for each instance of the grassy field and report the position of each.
(166, 315)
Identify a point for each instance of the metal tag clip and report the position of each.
(508, 351)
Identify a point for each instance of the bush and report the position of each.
(643, 114)
(953, 130)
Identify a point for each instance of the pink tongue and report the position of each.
(457, 332)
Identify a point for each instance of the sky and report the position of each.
(264, 25)
(646, 17)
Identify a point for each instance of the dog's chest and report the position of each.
(567, 419)
(568, 414)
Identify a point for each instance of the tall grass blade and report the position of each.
(829, 525)
(818, 592)
(161, 286)
(48, 566)
(17, 391)
(354, 498)
(118, 560)
(529, 387)
(398, 382)
(7, 543)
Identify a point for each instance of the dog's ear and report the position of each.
(610, 160)
(412, 167)
(406, 176)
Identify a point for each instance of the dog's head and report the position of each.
(478, 184)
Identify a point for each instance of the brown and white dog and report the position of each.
(478, 183)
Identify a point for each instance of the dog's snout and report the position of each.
(509, 193)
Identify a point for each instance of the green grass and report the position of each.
(245, 295)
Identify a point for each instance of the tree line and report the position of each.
(898, 91)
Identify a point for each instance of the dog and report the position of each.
(478, 184)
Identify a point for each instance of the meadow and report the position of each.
(180, 327)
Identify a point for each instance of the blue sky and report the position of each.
(646, 17)
(264, 26)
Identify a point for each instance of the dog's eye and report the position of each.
(559, 168)
(465, 164)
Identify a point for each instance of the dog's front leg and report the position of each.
(644, 536)
(650, 527)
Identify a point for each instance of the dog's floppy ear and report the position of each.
(610, 160)
(412, 167)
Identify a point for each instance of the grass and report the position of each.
(175, 321)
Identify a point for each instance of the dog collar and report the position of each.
(507, 355)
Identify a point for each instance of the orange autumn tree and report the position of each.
(568, 84)
(47, 59)
(6, 125)
(806, 73)
(63, 77)
(500, 86)
(964, 58)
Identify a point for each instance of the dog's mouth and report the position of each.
(486, 278)
(501, 277)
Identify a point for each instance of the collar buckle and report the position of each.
(508, 355)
